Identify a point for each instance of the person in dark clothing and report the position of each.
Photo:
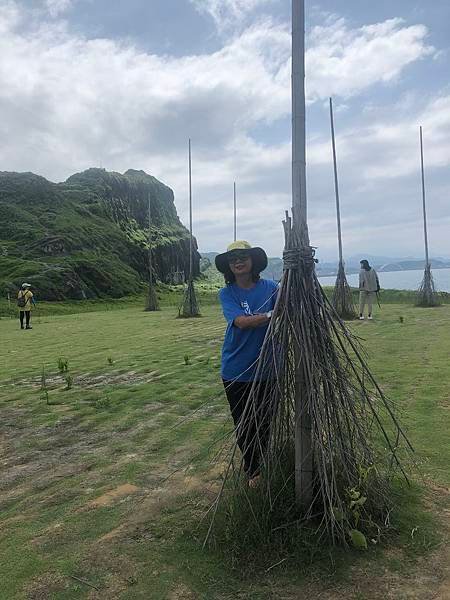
(247, 301)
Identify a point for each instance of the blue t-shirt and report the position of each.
(241, 347)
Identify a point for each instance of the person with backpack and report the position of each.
(369, 286)
(25, 300)
(247, 302)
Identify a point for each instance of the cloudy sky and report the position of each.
(124, 84)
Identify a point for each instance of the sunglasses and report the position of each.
(238, 257)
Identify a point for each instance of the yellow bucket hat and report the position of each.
(259, 257)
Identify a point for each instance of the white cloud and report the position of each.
(343, 61)
(229, 13)
(57, 7)
(69, 103)
(389, 148)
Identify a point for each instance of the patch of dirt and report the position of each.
(153, 502)
(112, 496)
(90, 380)
(111, 573)
(44, 587)
(182, 592)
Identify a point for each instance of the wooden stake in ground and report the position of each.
(234, 212)
(426, 295)
(297, 241)
(190, 304)
(342, 296)
(152, 299)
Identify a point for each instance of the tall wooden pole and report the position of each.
(425, 229)
(152, 299)
(150, 264)
(336, 184)
(303, 439)
(234, 211)
(299, 206)
(191, 245)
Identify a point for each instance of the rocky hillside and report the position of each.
(87, 237)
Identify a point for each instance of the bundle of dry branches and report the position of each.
(426, 294)
(342, 300)
(189, 307)
(152, 299)
(311, 369)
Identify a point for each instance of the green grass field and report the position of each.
(105, 475)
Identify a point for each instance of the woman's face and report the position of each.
(240, 263)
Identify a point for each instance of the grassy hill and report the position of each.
(87, 237)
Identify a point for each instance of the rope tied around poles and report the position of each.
(300, 259)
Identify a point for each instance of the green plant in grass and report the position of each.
(187, 360)
(102, 403)
(63, 365)
(110, 360)
(69, 381)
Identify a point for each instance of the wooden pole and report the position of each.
(299, 206)
(303, 439)
(152, 299)
(150, 263)
(336, 184)
(191, 245)
(234, 211)
(425, 229)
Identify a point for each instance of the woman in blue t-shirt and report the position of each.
(247, 302)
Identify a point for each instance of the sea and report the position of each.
(400, 280)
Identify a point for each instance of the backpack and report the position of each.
(22, 300)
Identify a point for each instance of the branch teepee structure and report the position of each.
(426, 294)
(342, 300)
(190, 305)
(152, 299)
(314, 407)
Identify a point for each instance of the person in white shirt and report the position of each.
(369, 285)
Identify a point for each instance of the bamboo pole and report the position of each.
(190, 306)
(234, 211)
(191, 245)
(299, 206)
(303, 439)
(150, 245)
(152, 299)
(425, 228)
(336, 184)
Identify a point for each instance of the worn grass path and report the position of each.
(100, 487)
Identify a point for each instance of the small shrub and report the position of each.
(401, 319)
(69, 381)
(187, 359)
(110, 360)
(103, 402)
(63, 365)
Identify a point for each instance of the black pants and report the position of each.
(253, 426)
(26, 314)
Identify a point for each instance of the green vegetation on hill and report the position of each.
(88, 237)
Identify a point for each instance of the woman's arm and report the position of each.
(252, 321)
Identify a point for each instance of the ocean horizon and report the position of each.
(399, 280)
